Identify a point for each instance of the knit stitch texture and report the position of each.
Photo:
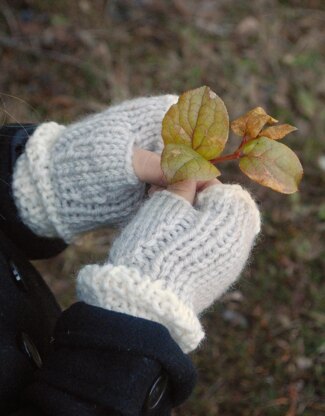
(193, 252)
(125, 290)
(73, 179)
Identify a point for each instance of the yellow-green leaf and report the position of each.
(198, 120)
(277, 132)
(252, 122)
(180, 162)
(271, 164)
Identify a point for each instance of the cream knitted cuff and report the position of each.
(32, 187)
(68, 181)
(123, 289)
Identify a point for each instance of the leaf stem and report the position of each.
(231, 156)
(237, 154)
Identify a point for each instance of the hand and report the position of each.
(147, 168)
(174, 258)
(77, 178)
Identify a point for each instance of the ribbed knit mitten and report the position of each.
(76, 178)
(174, 259)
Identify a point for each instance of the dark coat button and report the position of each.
(30, 349)
(156, 392)
(17, 277)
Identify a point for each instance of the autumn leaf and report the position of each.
(277, 132)
(195, 131)
(199, 120)
(256, 123)
(180, 162)
(252, 122)
(271, 164)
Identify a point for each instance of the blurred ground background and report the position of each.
(265, 348)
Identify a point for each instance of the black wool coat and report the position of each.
(85, 361)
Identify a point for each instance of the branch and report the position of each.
(232, 156)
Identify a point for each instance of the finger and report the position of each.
(203, 185)
(154, 188)
(147, 167)
(185, 189)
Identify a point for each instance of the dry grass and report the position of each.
(265, 347)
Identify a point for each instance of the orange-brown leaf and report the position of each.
(255, 123)
(252, 122)
(277, 132)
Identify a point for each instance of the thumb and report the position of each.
(185, 189)
(147, 168)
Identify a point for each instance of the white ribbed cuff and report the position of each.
(123, 289)
(32, 188)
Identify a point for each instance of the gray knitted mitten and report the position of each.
(174, 259)
(77, 178)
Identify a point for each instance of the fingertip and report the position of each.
(205, 184)
(185, 189)
(153, 189)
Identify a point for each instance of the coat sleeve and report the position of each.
(13, 138)
(109, 363)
